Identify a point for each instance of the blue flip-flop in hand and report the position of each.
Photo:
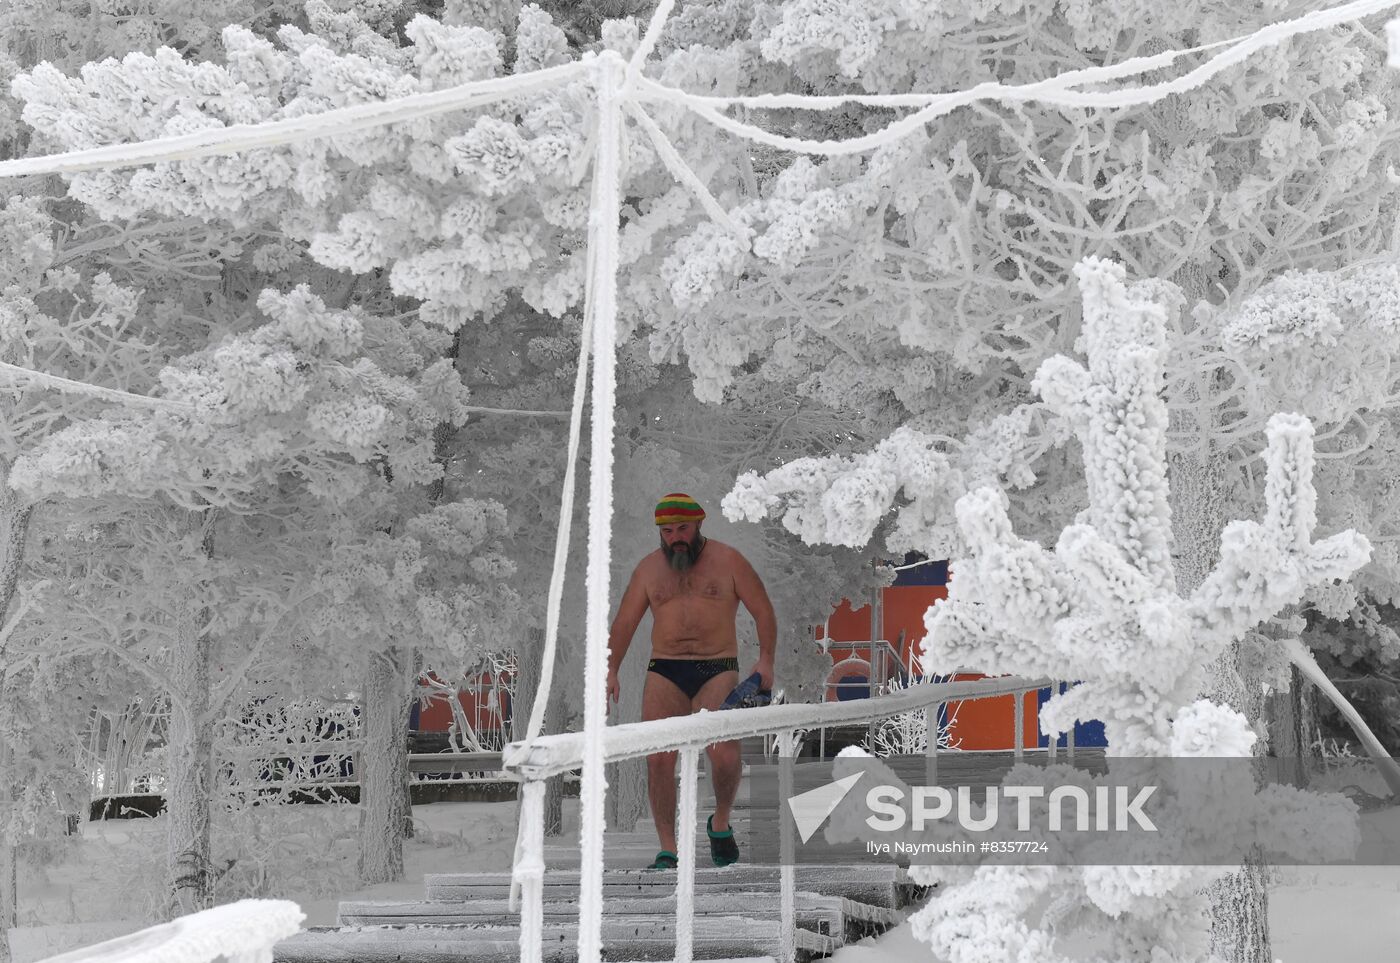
(749, 694)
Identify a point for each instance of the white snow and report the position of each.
(97, 893)
(1317, 913)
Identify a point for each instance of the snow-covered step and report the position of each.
(645, 834)
(636, 853)
(741, 819)
(624, 938)
(874, 884)
(816, 912)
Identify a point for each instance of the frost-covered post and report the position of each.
(608, 71)
(14, 526)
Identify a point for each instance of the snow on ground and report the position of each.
(1349, 914)
(100, 888)
(452, 838)
(1327, 914)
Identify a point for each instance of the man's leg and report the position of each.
(726, 762)
(663, 699)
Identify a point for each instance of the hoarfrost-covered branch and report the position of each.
(842, 500)
(19, 374)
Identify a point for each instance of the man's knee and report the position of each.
(661, 763)
(723, 753)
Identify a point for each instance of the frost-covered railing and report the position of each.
(242, 932)
(547, 756)
(881, 655)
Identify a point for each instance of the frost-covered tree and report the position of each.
(918, 289)
(1104, 606)
(330, 402)
(431, 590)
(459, 211)
(921, 287)
(71, 347)
(1110, 579)
(914, 292)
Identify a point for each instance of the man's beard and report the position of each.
(682, 555)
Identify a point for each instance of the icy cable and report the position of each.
(1058, 90)
(18, 374)
(292, 130)
(566, 516)
(527, 873)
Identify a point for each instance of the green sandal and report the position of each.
(723, 849)
(665, 860)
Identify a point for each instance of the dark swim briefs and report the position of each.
(691, 674)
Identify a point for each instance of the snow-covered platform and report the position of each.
(467, 917)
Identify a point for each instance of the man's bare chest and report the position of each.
(691, 587)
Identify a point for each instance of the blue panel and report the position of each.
(1041, 697)
(1091, 734)
(930, 573)
(1087, 733)
(852, 687)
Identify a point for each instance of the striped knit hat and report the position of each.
(678, 507)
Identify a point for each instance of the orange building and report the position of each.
(895, 615)
(483, 699)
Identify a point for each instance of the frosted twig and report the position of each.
(17, 373)
(523, 412)
(28, 595)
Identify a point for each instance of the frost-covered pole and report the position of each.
(190, 767)
(14, 526)
(382, 768)
(602, 306)
(787, 875)
(529, 871)
(685, 872)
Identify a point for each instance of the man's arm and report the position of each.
(749, 587)
(629, 615)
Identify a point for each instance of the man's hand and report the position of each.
(764, 667)
(614, 688)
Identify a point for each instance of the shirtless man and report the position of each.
(693, 586)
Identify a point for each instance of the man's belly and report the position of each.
(689, 628)
(694, 648)
(695, 640)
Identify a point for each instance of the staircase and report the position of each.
(467, 916)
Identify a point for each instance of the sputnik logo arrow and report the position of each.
(810, 809)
